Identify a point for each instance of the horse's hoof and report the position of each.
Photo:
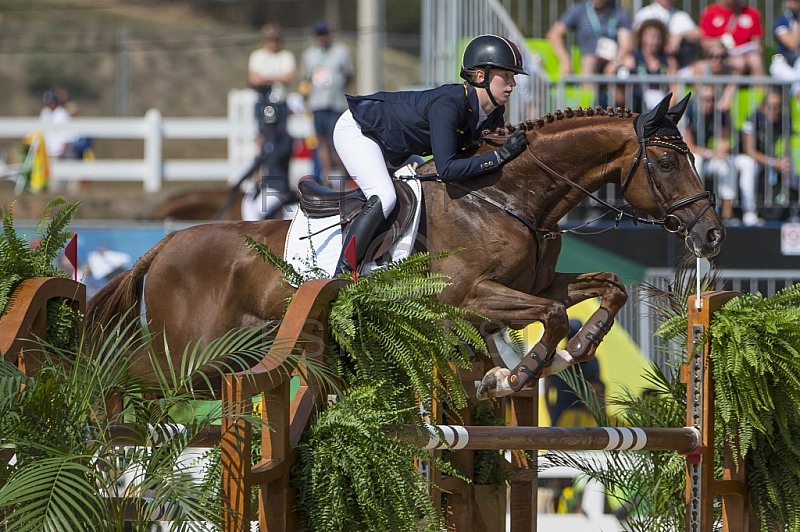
(494, 384)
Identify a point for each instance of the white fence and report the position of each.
(238, 129)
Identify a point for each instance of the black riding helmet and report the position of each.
(487, 52)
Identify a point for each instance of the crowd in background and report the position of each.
(325, 69)
(739, 129)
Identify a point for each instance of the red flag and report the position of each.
(71, 252)
(350, 255)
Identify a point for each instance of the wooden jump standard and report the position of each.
(305, 325)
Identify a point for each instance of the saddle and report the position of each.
(320, 202)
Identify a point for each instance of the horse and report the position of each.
(201, 205)
(202, 281)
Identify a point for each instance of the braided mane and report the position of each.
(530, 125)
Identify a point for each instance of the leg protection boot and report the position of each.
(364, 227)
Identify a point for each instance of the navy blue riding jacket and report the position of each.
(436, 122)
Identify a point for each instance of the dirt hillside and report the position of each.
(118, 57)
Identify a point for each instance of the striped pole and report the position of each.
(458, 437)
(557, 438)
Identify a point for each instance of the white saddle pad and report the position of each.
(323, 250)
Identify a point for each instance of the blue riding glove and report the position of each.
(514, 145)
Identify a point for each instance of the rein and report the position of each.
(669, 221)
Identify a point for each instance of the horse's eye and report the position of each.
(666, 163)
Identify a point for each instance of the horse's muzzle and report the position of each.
(705, 242)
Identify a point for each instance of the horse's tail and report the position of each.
(118, 303)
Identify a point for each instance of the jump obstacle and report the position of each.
(302, 327)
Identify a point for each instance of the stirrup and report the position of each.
(529, 367)
(592, 333)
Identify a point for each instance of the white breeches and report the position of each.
(748, 169)
(785, 72)
(363, 160)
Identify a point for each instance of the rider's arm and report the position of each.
(444, 117)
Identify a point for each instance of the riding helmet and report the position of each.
(491, 51)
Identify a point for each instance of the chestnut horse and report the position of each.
(202, 281)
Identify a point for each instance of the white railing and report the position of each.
(238, 129)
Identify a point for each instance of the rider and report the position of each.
(396, 125)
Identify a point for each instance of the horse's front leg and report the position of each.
(571, 289)
(506, 307)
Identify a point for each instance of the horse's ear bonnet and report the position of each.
(676, 113)
(659, 125)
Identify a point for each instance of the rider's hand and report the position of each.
(514, 145)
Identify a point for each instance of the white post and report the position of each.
(153, 167)
(371, 29)
(242, 130)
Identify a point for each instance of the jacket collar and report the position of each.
(474, 112)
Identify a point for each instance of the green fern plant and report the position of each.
(354, 475)
(395, 331)
(67, 472)
(18, 262)
(647, 485)
(396, 350)
(755, 351)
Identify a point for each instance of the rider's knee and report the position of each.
(388, 201)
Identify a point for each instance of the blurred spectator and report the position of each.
(707, 132)
(326, 68)
(265, 196)
(603, 35)
(740, 30)
(650, 58)
(57, 142)
(563, 406)
(785, 65)
(764, 155)
(715, 63)
(102, 265)
(80, 147)
(684, 35)
(269, 70)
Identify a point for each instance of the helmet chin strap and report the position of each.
(485, 85)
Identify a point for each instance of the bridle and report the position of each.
(655, 185)
(670, 221)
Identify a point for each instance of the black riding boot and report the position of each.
(364, 227)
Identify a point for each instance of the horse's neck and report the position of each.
(589, 154)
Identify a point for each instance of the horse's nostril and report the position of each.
(714, 236)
